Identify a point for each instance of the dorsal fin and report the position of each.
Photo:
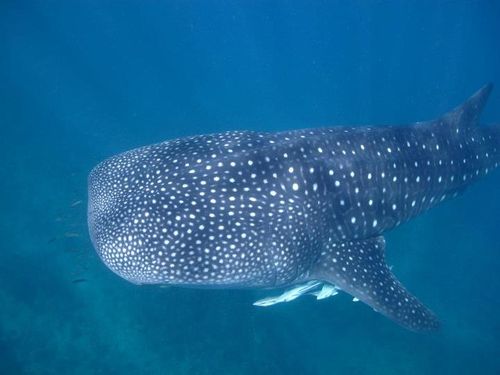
(467, 114)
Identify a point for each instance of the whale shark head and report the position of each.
(113, 217)
(135, 210)
(187, 211)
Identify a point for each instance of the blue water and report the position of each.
(83, 80)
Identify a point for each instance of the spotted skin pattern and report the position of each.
(264, 210)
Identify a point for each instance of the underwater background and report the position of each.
(83, 80)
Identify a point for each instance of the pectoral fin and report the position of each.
(359, 268)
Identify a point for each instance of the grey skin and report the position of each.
(247, 209)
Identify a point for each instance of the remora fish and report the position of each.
(301, 209)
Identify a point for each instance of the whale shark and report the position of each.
(302, 211)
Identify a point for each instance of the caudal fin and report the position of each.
(467, 114)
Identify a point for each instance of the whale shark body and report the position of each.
(302, 209)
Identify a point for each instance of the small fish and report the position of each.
(76, 203)
(289, 295)
(79, 281)
(71, 234)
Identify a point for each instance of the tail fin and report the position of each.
(467, 114)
